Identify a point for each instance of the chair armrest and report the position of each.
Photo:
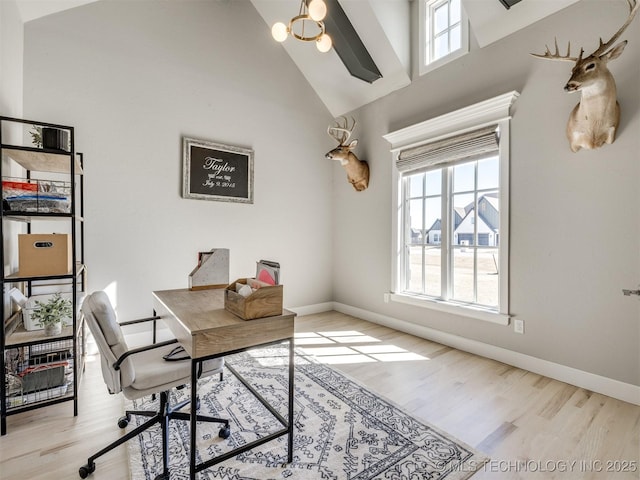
(143, 320)
(116, 365)
(140, 320)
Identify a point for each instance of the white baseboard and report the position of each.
(589, 381)
(312, 309)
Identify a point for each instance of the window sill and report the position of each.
(453, 308)
(425, 68)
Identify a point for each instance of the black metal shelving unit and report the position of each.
(24, 350)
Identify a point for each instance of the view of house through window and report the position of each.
(452, 232)
(450, 199)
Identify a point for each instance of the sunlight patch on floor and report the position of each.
(347, 346)
(313, 341)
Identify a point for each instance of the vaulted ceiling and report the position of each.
(384, 27)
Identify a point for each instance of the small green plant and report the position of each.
(36, 136)
(52, 311)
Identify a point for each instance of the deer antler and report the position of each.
(633, 9)
(556, 56)
(341, 133)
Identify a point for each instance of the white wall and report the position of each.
(11, 39)
(133, 78)
(10, 59)
(567, 289)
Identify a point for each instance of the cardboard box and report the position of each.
(264, 302)
(44, 254)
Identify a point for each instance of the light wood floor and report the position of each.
(530, 426)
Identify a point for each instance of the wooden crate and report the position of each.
(264, 302)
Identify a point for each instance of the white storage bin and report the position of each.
(27, 309)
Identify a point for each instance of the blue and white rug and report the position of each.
(342, 430)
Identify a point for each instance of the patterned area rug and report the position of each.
(342, 430)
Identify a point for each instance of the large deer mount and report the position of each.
(357, 170)
(594, 121)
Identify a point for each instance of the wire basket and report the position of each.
(36, 196)
(38, 373)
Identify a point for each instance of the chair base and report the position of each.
(165, 413)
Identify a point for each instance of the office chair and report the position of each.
(140, 372)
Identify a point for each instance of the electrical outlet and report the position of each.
(386, 298)
(518, 326)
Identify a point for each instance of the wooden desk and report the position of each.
(206, 330)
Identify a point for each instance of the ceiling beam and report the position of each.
(348, 44)
(508, 3)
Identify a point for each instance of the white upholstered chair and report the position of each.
(140, 372)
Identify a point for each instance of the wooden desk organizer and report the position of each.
(264, 302)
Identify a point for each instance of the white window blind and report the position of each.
(465, 147)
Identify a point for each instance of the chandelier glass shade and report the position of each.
(307, 26)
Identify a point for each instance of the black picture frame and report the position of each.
(214, 171)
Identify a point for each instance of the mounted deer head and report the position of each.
(357, 170)
(593, 122)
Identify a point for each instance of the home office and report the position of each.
(134, 79)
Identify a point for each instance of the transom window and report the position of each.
(443, 32)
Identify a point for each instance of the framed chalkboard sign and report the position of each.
(212, 171)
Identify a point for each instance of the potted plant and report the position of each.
(36, 136)
(51, 313)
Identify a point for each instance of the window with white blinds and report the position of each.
(465, 147)
(451, 201)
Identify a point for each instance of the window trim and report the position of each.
(424, 30)
(461, 309)
(492, 111)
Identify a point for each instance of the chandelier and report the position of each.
(308, 18)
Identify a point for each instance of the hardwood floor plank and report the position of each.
(557, 402)
(496, 437)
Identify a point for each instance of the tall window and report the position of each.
(451, 198)
(443, 32)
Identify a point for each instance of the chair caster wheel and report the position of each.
(224, 432)
(124, 421)
(86, 470)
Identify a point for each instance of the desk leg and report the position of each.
(291, 390)
(192, 419)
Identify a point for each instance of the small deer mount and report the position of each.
(357, 170)
(594, 120)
